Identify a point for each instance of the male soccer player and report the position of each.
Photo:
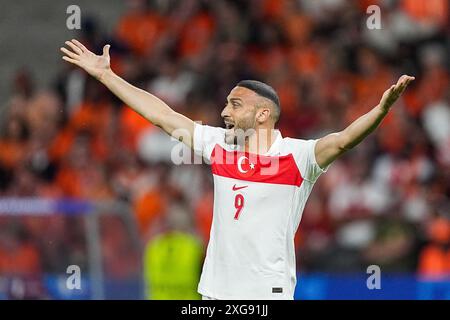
(261, 180)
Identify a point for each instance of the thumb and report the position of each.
(106, 50)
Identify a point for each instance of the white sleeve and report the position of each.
(306, 160)
(206, 138)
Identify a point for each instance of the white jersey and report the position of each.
(258, 204)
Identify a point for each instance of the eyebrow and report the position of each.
(236, 100)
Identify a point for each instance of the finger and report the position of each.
(70, 54)
(73, 61)
(106, 50)
(399, 85)
(407, 81)
(402, 87)
(403, 83)
(80, 45)
(400, 90)
(74, 47)
(399, 81)
(403, 80)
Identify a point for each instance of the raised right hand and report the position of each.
(93, 64)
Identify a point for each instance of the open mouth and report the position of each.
(229, 126)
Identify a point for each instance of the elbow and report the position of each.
(161, 118)
(345, 147)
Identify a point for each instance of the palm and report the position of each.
(393, 93)
(93, 64)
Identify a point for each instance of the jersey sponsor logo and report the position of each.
(238, 188)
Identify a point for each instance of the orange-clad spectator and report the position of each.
(23, 260)
(392, 136)
(49, 190)
(61, 144)
(204, 215)
(371, 82)
(254, 57)
(88, 182)
(17, 258)
(297, 28)
(13, 143)
(266, 61)
(93, 118)
(273, 9)
(132, 125)
(67, 181)
(434, 260)
(429, 11)
(64, 141)
(289, 97)
(43, 114)
(364, 4)
(148, 207)
(140, 28)
(79, 175)
(305, 60)
(196, 34)
(418, 99)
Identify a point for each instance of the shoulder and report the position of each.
(294, 145)
(208, 134)
(303, 152)
(206, 138)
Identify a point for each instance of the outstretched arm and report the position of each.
(330, 147)
(144, 103)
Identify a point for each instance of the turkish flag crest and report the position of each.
(246, 166)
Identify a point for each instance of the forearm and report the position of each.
(149, 106)
(330, 147)
(361, 128)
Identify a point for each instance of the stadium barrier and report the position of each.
(402, 286)
(93, 283)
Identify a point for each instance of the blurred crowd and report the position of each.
(385, 202)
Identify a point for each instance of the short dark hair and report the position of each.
(264, 90)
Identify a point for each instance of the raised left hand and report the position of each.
(394, 92)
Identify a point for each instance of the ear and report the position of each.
(262, 115)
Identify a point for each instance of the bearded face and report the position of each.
(239, 128)
(245, 112)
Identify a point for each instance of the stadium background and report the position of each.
(85, 181)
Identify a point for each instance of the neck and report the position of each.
(261, 141)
